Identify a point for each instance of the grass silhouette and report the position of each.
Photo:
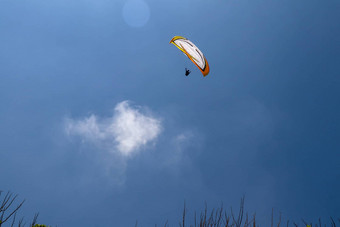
(220, 218)
(215, 218)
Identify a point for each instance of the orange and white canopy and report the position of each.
(193, 53)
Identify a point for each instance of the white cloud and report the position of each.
(126, 132)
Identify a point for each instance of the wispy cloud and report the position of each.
(126, 132)
(130, 130)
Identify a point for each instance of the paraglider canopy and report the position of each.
(192, 52)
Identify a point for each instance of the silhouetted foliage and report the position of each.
(9, 211)
(220, 218)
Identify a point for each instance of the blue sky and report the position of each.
(100, 126)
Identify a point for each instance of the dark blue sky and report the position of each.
(100, 127)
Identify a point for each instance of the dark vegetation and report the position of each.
(8, 212)
(220, 218)
(214, 218)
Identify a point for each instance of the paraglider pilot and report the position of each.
(187, 72)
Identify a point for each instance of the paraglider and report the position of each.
(193, 53)
(187, 72)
